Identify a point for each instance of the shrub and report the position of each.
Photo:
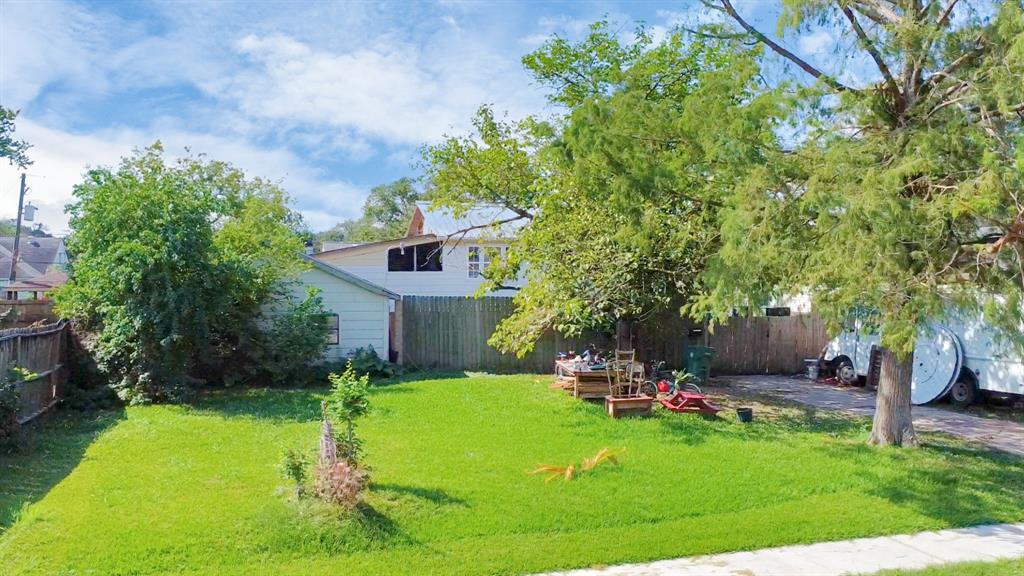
(293, 467)
(339, 483)
(347, 402)
(9, 317)
(10, 400)
(88, 388)
(365, 361)
(296, 337)
(171, 262)
(337, 479)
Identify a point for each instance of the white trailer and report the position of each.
(958, 358)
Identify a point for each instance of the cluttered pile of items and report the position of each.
(627, 387)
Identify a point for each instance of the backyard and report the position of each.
(195, 488)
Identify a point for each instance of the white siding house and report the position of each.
(439, 256)
(359, 309)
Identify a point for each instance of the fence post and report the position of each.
(397, 337)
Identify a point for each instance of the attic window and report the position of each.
(420, 258)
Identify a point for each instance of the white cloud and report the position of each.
(43, 42)
(61, 158)
(391, 91)
(818, 43)
(565, 25)
(296, 95)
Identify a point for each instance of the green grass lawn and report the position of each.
(195, 490)
(1003, 568)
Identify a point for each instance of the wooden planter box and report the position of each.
(618, 407)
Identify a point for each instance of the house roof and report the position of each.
(477, 220)
(370, 246)
(39, 283)
(35, 257)
(351, 278)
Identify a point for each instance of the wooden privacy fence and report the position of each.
(452, 332)
(29, 311)
(40, 352)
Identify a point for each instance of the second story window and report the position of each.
(418, 258)
(480, 257)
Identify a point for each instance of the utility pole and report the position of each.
(17, 232)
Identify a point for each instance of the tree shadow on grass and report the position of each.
(293, 404)
(418, 376)
(433, 495)
(945, 479)
(277, 404)
(772, 422)
(52, 449)
(378, 528)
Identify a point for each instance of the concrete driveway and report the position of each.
(998, 434)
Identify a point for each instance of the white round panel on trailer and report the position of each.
(938, 357)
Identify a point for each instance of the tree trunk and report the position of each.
(624, 334)
(893, 424)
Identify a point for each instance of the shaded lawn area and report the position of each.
(195, 490)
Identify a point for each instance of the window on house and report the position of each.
(480, 257)
(333, 329)
(428, 257)
(402, 259)
(422, 257)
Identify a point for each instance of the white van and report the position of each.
(956, 358)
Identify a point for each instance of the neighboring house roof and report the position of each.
(371, 246)
(351, 278)
(39, 283)
(36, 255)
(476, 220)
(328, 245)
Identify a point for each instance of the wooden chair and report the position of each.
(624, 397)
(624, 375)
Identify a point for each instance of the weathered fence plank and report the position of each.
(452, 332)
(40, 351)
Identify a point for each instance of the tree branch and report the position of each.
(944, 17)
(877, 12)
(1016, 109)
(953, 66)
(462, 233)
(870, 47)
(817, 74)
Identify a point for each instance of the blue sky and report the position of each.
(328, 99)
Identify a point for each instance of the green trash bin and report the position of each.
(698, 362)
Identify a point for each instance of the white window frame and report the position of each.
(480, 258)
(333, 329)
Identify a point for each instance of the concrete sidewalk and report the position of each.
(861, 556)
(999, 434)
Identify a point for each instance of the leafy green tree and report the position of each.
(386, 214)
(620, 195)
(294, 336)
(171, 265)
(349, 401)
(14, 151)
(905, 193)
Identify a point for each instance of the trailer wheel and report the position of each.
(964, 391)
(844, 371)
